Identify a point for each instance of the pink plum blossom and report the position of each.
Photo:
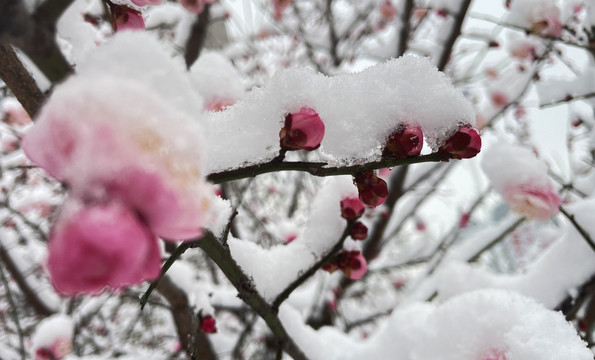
(388, 10)
(97, 245)
(146, 2)
(113, 154)
(279, 7)
(464, 144)
(303, 130)
(52, 339)
(372, 189)
(499, 99)
(14, 113)
(406, 141)
(534, 201)
(125, 18)
(195, 6)
(352, 208)
(494, 354)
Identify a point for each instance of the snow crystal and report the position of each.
(359, 111)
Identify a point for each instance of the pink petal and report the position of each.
(146, 2)
(98, 245)
(303, 130)
(195, 6)
(534, 201)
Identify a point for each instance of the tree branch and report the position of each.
(405, 28)
(19, 80)
(579, 228)
(14, 313)
(247, 292)
(197, 37)
(40, 307)
(306, 275)
(316, 168)
(454, 35)
(36, 35)
(193, 340)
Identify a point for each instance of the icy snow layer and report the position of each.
(565, 264)
(274, 269)
(472, 326)
(359, 111)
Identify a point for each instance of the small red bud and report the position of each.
(358, 231)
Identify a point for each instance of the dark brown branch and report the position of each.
(334, 41)
(307, 274)
(405, 28)
(194, 341)
(19, 80)
(248, 293)
(316, 169)
(198, 35)
(35, 35)
(454, 35)
(40, 307)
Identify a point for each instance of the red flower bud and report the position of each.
(358, 231)
(303, 130)
(372, 189)
(353, 264)
(404, 142)
(208, 324)
(464, 144)
(352, 208)
(125, 18)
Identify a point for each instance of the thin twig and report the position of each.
(579, 228)
(14, 313)
(306, 275)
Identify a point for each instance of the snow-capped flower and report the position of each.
(123, 153)
(406, 141)
(195, 6)
(372, 189)
(464, 144)
(125, 18)
(52, 339)
(97, 245)
(535, 201)
(352, 208)
(522, 180)
(303, 130)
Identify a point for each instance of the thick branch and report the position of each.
(197, 37)
(454, 34)
(222, 257)
(316, 169)
(19, 80)
(194, 341)
(36, 34)
(332, 33)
